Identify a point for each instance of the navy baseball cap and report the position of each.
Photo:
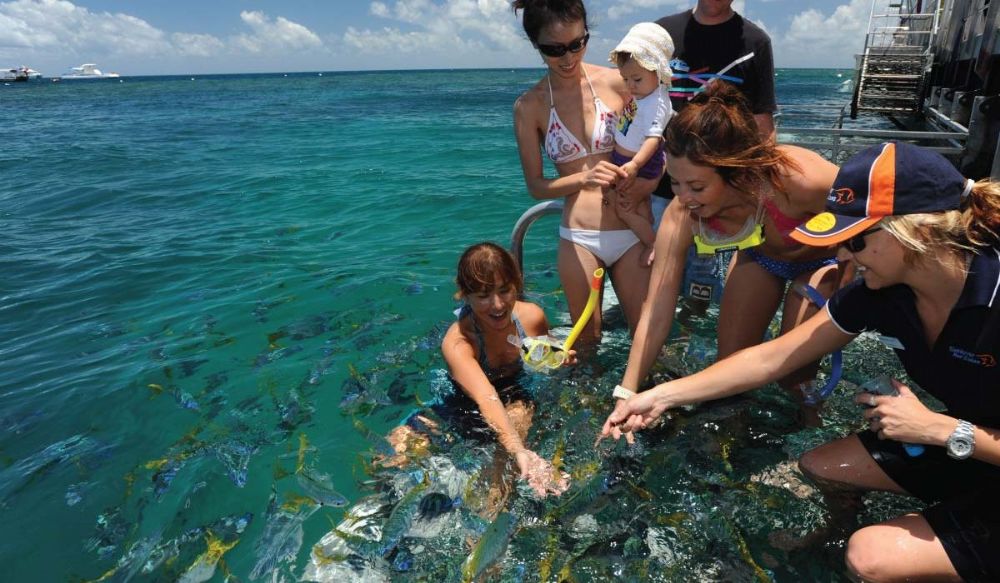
(890, 179)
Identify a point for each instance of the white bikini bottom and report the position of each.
(608, 246)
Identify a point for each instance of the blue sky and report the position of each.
(136, 37)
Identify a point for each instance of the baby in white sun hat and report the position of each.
(643, 59)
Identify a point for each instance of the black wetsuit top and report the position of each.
(460, 410)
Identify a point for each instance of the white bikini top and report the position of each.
(562, 146)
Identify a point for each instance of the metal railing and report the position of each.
(548, 207)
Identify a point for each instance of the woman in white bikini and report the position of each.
(571, 115)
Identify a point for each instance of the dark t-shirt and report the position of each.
(963, 376)
(707, 49)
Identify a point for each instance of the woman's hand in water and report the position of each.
(542, 477)
(634, 413)
(570, 358)
(615, 431)
(602, 175)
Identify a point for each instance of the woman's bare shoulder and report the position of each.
(532, 317)
(531, 100)
(802, 155)
(812, 177)
(454, 338)
(607, 76)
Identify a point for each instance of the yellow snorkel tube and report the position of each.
(544, 352)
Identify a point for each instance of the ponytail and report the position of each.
(981, 214)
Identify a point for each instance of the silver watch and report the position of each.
(962, 442)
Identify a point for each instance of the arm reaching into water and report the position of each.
(460, 355)
(742, 371)
(672, 243)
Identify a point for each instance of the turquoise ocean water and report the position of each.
(210, 283)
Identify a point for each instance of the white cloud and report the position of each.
(58, 33)
(279, 34)
(815, 39)
(447, 27)
(58, 24)
(196, 45)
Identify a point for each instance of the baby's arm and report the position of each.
(641, 223)
(650, 147)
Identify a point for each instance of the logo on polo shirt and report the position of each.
(985, 359)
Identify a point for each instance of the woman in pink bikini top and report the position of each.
(740, 196)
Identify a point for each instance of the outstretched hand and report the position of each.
(542, 477)
(633, 414)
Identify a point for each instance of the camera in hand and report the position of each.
(882, 386)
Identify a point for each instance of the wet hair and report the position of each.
(973, 226)
(717, 129)
(479, 266)
(539, 14)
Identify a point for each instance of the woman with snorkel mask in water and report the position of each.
(734, 191)
(483, 351)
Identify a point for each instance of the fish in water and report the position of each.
(361, 393)
(435, 504)
(235, 454)
(282, 537)
(319, 487)
(204, 566)
(490, 547)
(395, 528)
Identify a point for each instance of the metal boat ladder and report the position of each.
(891, 70)
(548, 207)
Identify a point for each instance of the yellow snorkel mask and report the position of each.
(706, 246)
(543, 353)
(751, 235)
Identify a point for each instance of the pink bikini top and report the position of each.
(562, 146)
(782, 222)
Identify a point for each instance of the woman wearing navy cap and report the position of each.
(925, 242)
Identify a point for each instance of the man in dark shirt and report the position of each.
(708, 41)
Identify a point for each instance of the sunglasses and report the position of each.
(560, 50)
(856, 244)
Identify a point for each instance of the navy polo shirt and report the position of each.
(965, 379)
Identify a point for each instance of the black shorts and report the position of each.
(965, 514)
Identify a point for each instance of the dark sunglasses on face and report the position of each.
(560, 50)
(856, 244)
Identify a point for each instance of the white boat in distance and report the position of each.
(21, 73)
(88, 71)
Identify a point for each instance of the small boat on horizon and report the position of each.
(20, 74)
(88, 71)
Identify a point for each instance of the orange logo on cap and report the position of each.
(843, 196)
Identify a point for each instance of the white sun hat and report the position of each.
(651, 46)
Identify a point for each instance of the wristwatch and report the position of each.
(621, 392)
(962, 442)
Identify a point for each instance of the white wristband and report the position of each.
(621, 392)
